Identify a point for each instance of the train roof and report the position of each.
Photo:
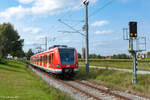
(55, 47)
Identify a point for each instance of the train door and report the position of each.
(53, 61)
(40, 60)
(36, 60)
(50, 60)
(45, 61)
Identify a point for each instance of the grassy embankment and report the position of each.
(18, 83)
(123, 64)
(117, 80)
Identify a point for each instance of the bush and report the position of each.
(3, 61)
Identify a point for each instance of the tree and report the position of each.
(120, 56)
(79, 55)
(29, 54)
(2, 39)
(99, 56)
(10, 41)
(93, 56)
(148, 53)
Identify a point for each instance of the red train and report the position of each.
(59, 59)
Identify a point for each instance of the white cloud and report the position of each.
(25, 1)
(18, 11)
(28, 43)
(64, 41)
(41, 7)
(31, 30)
(39, 37)
(104, 32)
(100, 23)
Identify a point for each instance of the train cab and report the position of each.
(59, 59)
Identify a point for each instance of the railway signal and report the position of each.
(133, 33)
(133, 37)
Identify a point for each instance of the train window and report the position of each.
(38, 59)
(42, 58)
(49, 59)
(52, 58)
(45, 59)
(67, 56)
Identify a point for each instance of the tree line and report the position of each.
(11, 43)
(98, 56)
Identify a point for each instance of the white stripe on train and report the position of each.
(57, 71)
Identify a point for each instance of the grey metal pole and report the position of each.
(87, 41)
(130, 45)
(134, 63)
(134, 80)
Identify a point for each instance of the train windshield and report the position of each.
(67, 56)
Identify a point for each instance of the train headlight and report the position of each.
(57, 65)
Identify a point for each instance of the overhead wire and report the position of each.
(99, 9)
(72, 20)
(70, 27)
(80, 21)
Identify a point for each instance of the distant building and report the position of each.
(23, 58)
(108, 57)
(9, 56)
(141, 55)
(16, 58)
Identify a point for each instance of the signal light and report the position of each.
(133, 29)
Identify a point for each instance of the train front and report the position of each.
(68, 60)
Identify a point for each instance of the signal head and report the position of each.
(133, 29)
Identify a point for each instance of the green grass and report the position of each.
(117, 80)
(18, 83)
(123, 64)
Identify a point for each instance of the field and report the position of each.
(18, 83)
(117, 80)
(123, 64)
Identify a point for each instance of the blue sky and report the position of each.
(35, 19)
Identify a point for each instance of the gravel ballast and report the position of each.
(81, 96)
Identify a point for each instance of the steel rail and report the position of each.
(85, 84)
(67, 84)
(103, 90)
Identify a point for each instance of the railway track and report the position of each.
(90, 92)
(103, 90)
